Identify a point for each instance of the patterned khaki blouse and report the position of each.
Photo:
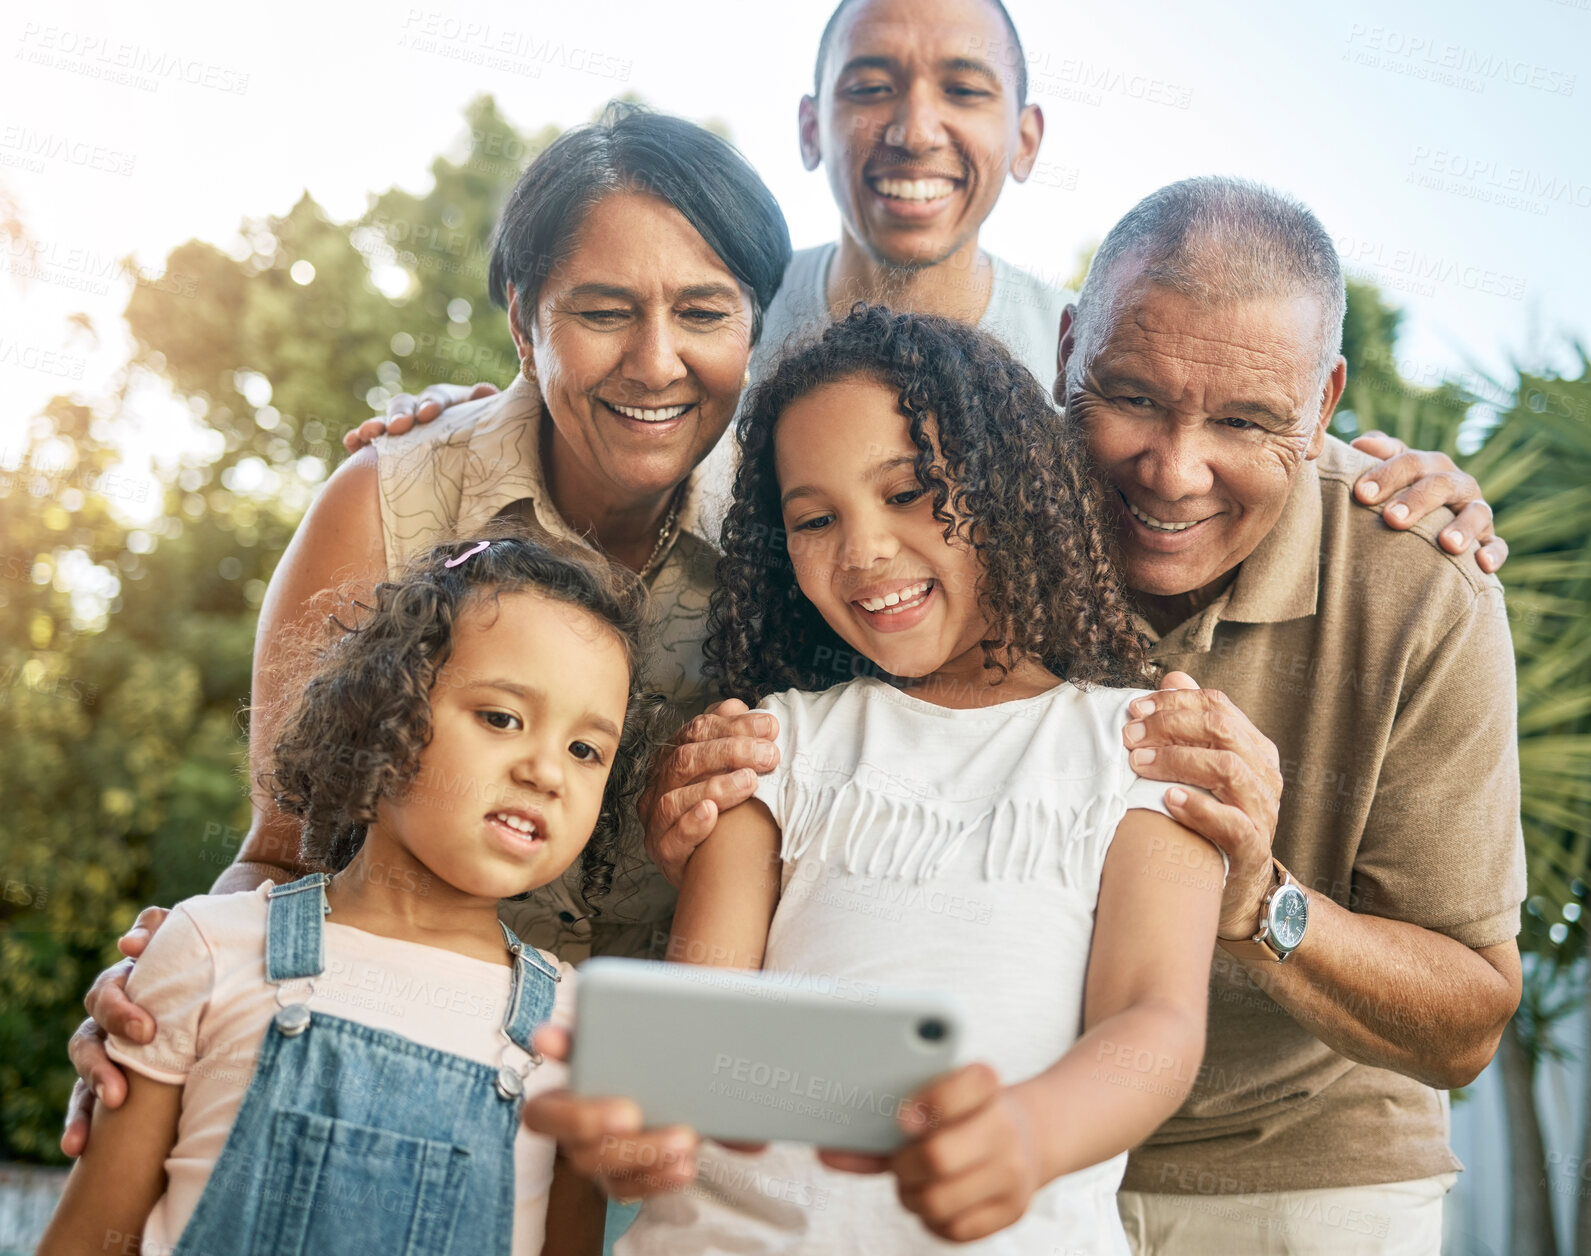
(482, 460)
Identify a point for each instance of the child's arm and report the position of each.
(731, 888)
(988, 1148)
(577, 1212)
(121, 1174)
(726, 904)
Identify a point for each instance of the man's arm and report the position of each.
(1393, 995)
(1420, 987)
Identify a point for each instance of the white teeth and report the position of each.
(649, 416)
(1149, 521)
(914, 189)
(894, 603)
(517, 823)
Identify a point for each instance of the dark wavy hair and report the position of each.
(1011, 478)
(355, 735)
(630, 148)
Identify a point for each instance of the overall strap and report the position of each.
(535, 988)
(293, 935)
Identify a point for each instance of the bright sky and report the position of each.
(1443, 144)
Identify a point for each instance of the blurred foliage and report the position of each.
(1529, 446)
(123, 717)
(124, 711)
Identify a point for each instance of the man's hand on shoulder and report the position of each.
(403, 412)
(1186, 735)
(1413, 483)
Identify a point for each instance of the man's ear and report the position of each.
(1335, 383)
(1063, 351)
(811, 153)
(1030, 134)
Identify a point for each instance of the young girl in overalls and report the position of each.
(917, 581)
(341, 1061)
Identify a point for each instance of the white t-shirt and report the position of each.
(930, 849)
(203, 980)
(1023, 313)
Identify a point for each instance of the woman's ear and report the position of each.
(527, 360)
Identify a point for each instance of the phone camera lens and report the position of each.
(931, 1030)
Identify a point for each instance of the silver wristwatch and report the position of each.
(1284, 915)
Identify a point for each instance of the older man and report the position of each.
(1363, 756)
(1355, 733)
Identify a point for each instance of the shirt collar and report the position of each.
(504, 467)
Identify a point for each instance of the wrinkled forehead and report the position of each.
(1182, 350)
(1262, 332)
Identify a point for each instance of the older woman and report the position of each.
(635, 258)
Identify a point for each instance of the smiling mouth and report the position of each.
(935, 188)
(522, 825)
(906, 599)
(643, 414)
(1158, 525)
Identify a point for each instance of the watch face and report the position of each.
(1289, 914)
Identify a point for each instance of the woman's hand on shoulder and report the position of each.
(110, 1011)
(708, 767)
(404, 411)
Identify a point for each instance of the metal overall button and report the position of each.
(511, 1080)
(292, 1019)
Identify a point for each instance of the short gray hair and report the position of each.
(1216, 239)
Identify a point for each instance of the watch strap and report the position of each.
(1251, 948)
(1258, 947)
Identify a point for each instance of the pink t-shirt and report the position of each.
(203, 980)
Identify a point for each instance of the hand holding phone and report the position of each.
(973, 1162)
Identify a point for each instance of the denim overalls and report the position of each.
(355, 1140)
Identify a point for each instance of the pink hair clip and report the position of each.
(469, 553)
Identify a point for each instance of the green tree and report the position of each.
(124, 717)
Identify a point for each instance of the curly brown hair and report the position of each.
(355, 735)
(1011, 478)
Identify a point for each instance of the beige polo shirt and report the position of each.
(1382, 668)
(472, 464)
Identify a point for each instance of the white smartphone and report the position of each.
(760, 1056)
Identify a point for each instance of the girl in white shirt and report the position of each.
(918, 581)
(339, 1063)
